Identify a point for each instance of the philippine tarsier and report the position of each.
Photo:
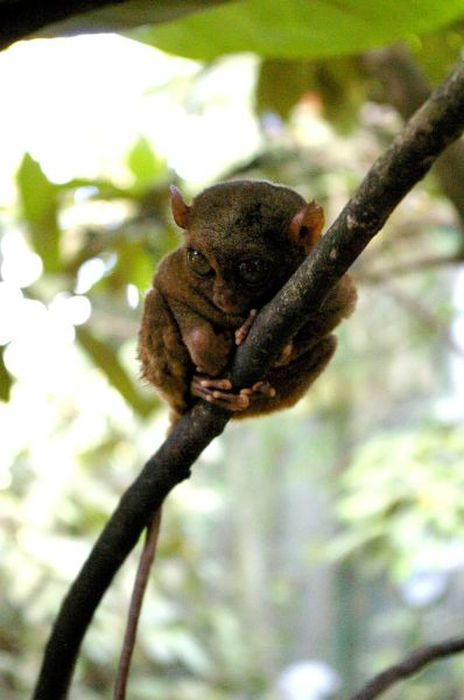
(242, 242)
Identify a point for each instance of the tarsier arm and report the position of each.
(209, 350)
(164, 357)
(218, 391)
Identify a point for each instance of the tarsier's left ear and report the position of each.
(180, 210)
(306, 226)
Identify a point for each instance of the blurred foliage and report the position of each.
(299, 29)
(5, 378)
(303, 535)
(39, 201)
(126, 255)
(339, 84)
(342, 84)
(402, 491)
(299, 62)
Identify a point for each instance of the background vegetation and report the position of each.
(347, 546)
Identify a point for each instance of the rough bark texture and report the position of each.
(430, 131)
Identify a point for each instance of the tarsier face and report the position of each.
(235, 282)
(242, 243)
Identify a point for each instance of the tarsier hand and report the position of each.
(219, 391)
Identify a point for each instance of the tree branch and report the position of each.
(411, 665)
(437, 124)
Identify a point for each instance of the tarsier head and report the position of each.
(244, 239)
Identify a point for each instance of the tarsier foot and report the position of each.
(218, 392)
(242, 332)
(261, 390)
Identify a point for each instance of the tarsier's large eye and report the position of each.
(254, 270)
(198, 263)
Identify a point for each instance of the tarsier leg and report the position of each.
(285, 356)
(291, 381)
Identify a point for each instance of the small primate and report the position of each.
(242, 241)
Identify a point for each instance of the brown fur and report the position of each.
(189, 320)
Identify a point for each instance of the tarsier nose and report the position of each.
(225, 298)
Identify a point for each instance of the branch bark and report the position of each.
(439, 122)
(411, 665)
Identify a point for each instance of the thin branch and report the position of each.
(422, 314)
(418, 311)
(405, 268)
(411, 665)
(430, 131)
(135, 606)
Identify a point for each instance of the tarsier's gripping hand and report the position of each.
(219, 391)
(209, 353)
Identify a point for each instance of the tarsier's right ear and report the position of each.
(306, 226)
(180, 210)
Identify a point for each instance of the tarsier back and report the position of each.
(242, 241)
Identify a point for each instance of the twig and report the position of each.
(422, 314)
(429, 132)
(411, 665)
(141, 580)
(405, 268)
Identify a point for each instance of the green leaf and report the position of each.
(281, 84)
(39, 205)
(437, 53)
(143, 163)
(298, 28)
(338, 81)
(106, 359)
(131, 13)
(6, 381)
(98, 188)
(134, 266)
